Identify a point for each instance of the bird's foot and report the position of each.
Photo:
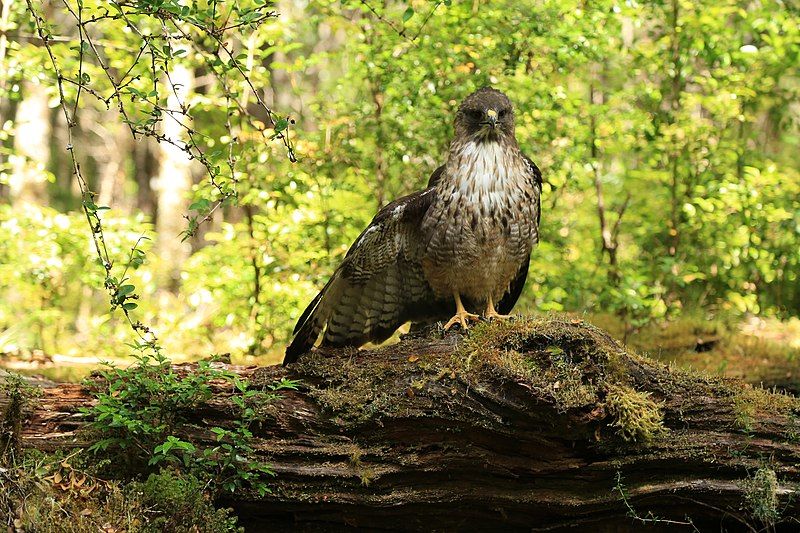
(461, 318)
(493, 315)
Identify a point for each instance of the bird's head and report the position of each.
(485, 115)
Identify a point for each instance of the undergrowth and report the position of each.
(141, 411)
(143, 473)
(58, 494)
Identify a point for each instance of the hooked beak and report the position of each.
(492, 116)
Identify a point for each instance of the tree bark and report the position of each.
(536, 424)
(174, 181)
(28, 180)
(113, 147)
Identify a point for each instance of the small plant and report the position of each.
(143, 406)
(649, 518)
(228, 463)
(143, 402)
(761, 496)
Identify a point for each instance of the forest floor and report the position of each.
(757, 350)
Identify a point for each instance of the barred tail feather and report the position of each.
(311, 322)
(303, 341)
(311, 307)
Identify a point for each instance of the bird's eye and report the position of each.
(475, 114)
(503, 113)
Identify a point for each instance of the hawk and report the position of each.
(460, 246)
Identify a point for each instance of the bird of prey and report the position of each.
(457, 248)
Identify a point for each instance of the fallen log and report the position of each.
(536, 423)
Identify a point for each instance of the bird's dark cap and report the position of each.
(486, 98)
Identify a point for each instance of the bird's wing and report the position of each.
(379, 285)
(509, 299)
(436, 176)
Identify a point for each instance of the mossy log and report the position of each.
(526, 424)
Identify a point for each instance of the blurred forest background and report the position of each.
(250, 142)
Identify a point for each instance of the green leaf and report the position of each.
(126, 289)
(200, 205)
(281, 125)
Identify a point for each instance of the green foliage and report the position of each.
(683, 114)
(46, 272)
(144, 402)
(140, 411)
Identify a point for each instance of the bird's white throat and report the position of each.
(484, 173)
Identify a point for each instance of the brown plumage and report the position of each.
(461, 244)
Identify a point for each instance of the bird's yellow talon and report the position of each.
(462, 318)
(491, 313)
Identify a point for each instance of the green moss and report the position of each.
(352, 390)
(744, 413)
(562, 359)
(750, 404)
(792, 432)
(365, 473)
(175, 502)
(761, 495)
(636, 416)
(553, 377)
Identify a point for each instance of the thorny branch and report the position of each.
(402, 32)
(163, 50)
(90, 209)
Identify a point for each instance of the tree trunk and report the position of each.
(28, 181)
(174, 182)
(113, 147)
(528, 424)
